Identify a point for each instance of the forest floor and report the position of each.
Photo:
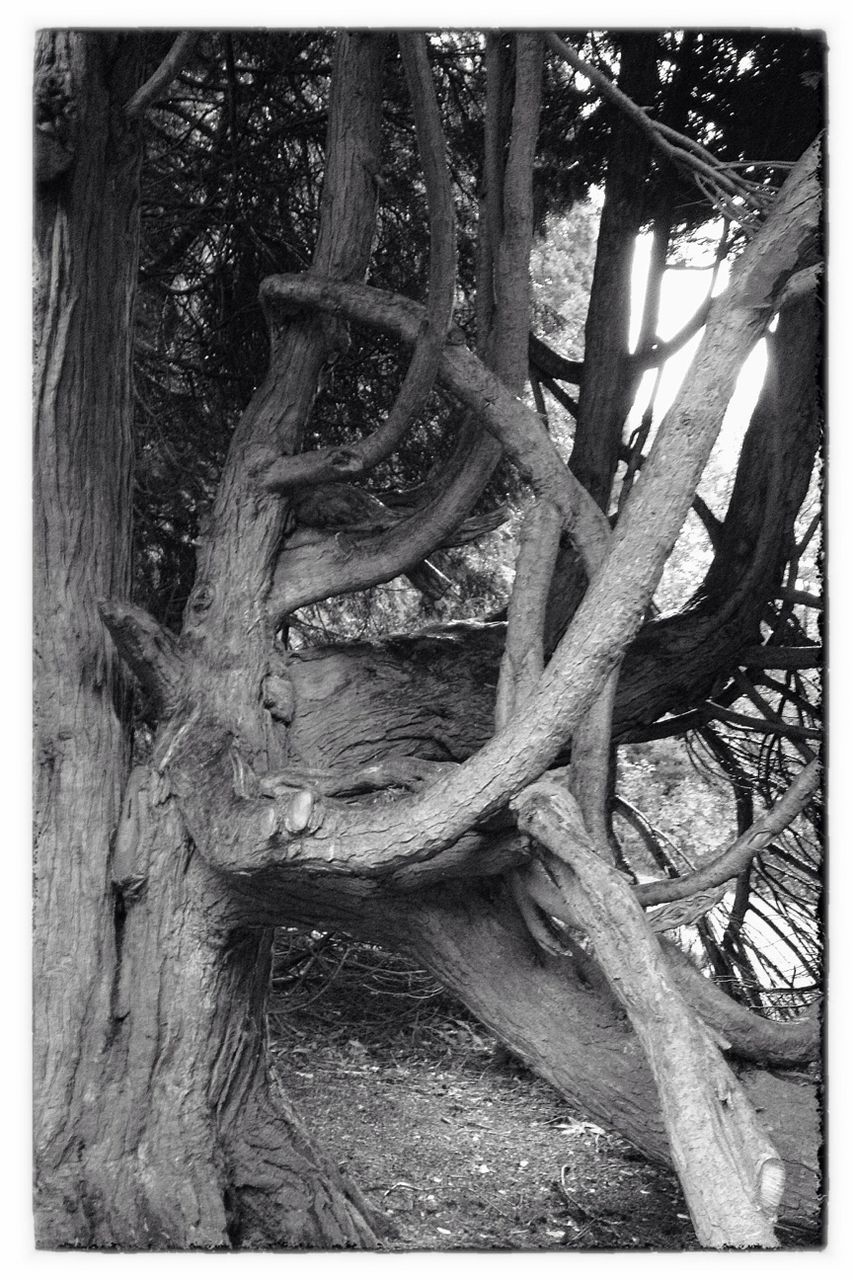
(456, 1145)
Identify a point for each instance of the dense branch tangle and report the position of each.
(226, 823)
(619, 592)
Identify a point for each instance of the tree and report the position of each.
(449, 792)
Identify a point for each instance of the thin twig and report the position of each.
(714, 178)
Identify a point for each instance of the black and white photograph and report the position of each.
(429, 473)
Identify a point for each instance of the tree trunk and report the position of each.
(557, 1015)
(156, 1124)
(195, 1145)
(85, 268)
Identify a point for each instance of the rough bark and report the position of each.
(157, 1125)
(557, 1014)
(85, 263)
(673, 664)
(732, 1176)
(160, 1125)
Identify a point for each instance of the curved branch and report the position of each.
(735, 857)
(151, 651)
(756, 1039)
(518, 428)
(335, 462)
(175, 59)
(336, 563)
(619, 593)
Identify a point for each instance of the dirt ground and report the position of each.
(456, 1145)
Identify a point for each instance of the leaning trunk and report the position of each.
(558, 1015)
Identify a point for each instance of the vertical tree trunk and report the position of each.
(157, 1125)
(85, 266)
(608, 383)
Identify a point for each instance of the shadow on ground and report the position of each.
(456, 1144)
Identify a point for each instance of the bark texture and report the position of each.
(733, 1178)
(85, 268)
(557, 1014)
(157, 1125)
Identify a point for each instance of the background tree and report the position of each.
(301, 436)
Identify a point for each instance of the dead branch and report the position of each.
(721, 184)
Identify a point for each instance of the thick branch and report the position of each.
(591, 758)
(756, 1039)
(337, 563)
(236, 561)
(512, 269)
(516, 426)
(155, 85)
(609, 381)
(523, 659)
(618, 596)
(731, 1174)
(151, 651)
(336, 462)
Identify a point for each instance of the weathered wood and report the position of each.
(732, 1175)
(156, 1124)
(86, 234)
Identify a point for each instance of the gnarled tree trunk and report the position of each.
(158, 1123)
